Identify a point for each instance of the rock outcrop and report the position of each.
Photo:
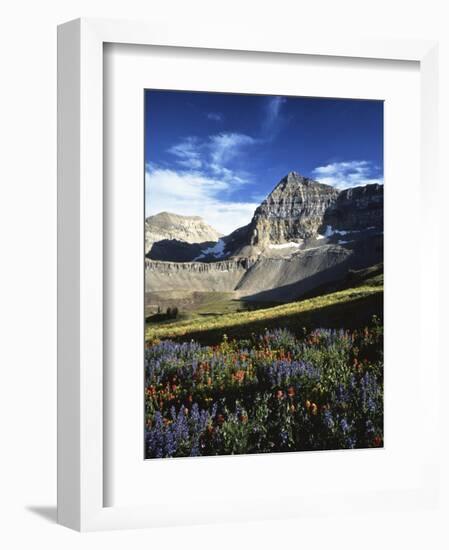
(173, 227)
(221, 276)
(357, 209)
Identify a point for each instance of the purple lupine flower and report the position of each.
(344, 425)
(328, 420)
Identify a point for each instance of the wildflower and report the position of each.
(350, 442)
(328, 420)
(278, 362)
(239, 375)
(344, 425)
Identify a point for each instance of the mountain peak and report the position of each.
(294, 180)
(292, 211)
(294, 177)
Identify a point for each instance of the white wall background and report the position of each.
(28, 268)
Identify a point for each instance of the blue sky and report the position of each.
(219, 155)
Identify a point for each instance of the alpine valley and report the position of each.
(305, 239)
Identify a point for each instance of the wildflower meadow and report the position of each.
(277, 391)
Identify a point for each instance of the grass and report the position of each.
(198, 305)
(347, 308)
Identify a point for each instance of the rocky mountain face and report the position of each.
(264, 279)
(221, 276)
(299, 211)
(357, 209)
(293, 210)
(172, 227)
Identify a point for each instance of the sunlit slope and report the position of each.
(343, 309)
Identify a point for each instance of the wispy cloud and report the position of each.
(214, 155)
(193, 193)
(205, 173)
(188, 153)
(226, 146)
(201, 181)
(216, 117)
(348, 174)
(273, 119)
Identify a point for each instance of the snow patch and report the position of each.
(217, 250)
(330, 232)
(290, 244)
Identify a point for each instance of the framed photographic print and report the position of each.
(263, 287)
(228, 221)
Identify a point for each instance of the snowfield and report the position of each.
(217, 251)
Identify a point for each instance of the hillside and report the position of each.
(349, 308)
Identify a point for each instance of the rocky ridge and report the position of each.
(167, 226)
(357, 209)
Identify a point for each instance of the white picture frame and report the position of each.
(81, 488)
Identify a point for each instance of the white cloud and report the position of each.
(192, 193)
(348, 174)
(216, 117)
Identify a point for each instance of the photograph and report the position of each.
(263, 298)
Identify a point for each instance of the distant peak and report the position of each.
(172, 215)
